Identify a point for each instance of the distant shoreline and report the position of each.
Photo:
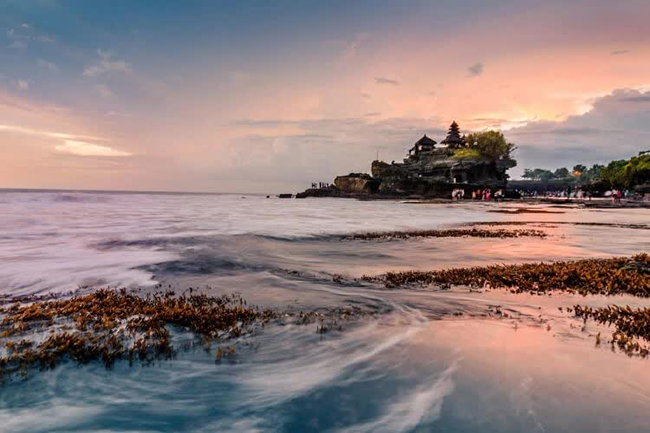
(594, 203)
(107, 191)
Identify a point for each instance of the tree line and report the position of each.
(622, 173)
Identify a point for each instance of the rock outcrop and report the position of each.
(357, 183)
(378, 167)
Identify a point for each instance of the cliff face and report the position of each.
(436, 173)
(441, 165)
(378, 167)
(356, 183)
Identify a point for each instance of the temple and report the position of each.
(430, 170)
(429, 164)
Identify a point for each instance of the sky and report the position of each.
(269, 96)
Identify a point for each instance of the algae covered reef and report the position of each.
(452, 233)
(608, 277)
(621, 275)
(111, 325)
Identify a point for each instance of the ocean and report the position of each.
(424, 360)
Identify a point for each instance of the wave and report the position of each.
(422, 405)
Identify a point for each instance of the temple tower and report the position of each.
(453, 140)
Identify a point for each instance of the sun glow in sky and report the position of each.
(267, 96)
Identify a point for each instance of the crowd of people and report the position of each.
(617, 195)
(579, 194)
(479, 194)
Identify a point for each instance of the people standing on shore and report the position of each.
(617, 196)
(457, 194)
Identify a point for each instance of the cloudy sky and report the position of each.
(268, 96)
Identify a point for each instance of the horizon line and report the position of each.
(127, 191)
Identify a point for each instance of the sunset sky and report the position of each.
(268, 96)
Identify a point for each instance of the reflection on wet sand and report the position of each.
(530, 379)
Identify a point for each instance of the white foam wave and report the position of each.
(423, 405)
(55, 414)
(273, 383)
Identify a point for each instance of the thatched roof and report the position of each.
(425, 141)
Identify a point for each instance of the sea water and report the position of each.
(428, 360)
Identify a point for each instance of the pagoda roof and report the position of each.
(425, 140)
(453, 136)
(452, 139)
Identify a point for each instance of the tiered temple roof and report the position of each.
(453, 136)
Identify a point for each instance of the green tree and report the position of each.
(561, 173)
(528, 174)
(590, 175)
(614, 174)
(544, 175)
(538, 174)
(490, 144)
(637, 171)
(594, 172)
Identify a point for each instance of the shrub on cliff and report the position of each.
(466, 153)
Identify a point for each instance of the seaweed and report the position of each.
(452, 233)
(631, 325)
(613, 276)
(575, 223)
(110, 325)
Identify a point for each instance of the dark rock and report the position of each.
(357, 183)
